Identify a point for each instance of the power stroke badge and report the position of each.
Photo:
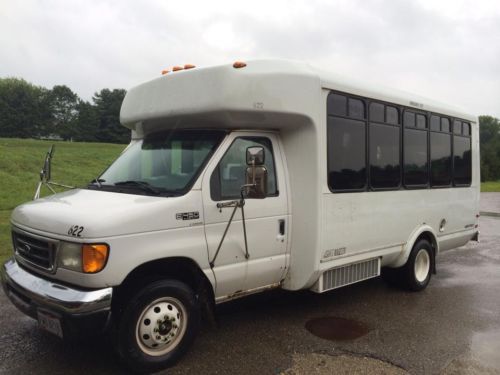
(187, 215)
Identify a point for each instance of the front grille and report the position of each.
(34, 250)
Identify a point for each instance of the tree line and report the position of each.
(29, 111)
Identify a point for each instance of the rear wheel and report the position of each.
(158, 326)
(417, 270)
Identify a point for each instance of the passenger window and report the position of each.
(346, 154)
(440, 159)
(229, 176)
(415, 158)
(356, 108)
(337, 105)
(409, 119)
(377, 112)
(384, 156)
(462, 161)
(466, 129)
(391, 115)
(457, 127)
(421, 121)
(445, 125)
(435, 123)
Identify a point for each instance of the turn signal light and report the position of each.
(94, 257)
(239, 64)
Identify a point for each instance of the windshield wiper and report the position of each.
(140, 184)
(97, 181)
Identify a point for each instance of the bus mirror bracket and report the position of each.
(46, 174)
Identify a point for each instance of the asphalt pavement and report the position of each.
(452, 327)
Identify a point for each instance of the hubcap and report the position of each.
(161, 326)
(422, 265)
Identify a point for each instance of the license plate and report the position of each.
(50, 323)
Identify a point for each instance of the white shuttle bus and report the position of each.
(239, 179)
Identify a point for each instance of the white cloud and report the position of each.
(446, 49)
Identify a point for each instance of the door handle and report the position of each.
(281, 230)
(281, 227)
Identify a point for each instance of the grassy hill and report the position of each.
(20, 163)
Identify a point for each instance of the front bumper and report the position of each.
(79, 311)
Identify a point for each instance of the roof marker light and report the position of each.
(164, 71)
(239, 64)
(189, 66)
(176, 68)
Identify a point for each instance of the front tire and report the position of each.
(418, 269)
(157, 326)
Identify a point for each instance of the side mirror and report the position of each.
(256, 173)
(255, 155)
(45, 173)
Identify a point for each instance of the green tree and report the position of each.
(64, 111)
(86, 124)
(108, 104)
(24, 109)
(489, 136)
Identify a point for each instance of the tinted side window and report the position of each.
(440, 159)
(462, 162)
(229, 176)
(384, 156)
(377, 112)
(346, 154)
(337, 104)
(435, 123)
(415, 158)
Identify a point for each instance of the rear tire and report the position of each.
(157, 326)
(418, 269)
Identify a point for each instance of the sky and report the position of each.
(447, 50)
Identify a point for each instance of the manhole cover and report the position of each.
(331, 328)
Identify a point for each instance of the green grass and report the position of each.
(490, 186)
(74, 163)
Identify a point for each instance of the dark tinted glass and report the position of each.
(384, 156)
(462, 170)
(466, 128)
(346, 154)
(415, 157)
(409, 119)
(457, 127)
(421, 121)
(435, 123)
(337, 104)
(440, 159)
(445, 125)
(356, 108)
(377, 112)
(391, 115)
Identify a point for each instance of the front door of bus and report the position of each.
(266, 219)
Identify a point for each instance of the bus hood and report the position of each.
(104, 214)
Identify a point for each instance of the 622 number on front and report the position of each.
(75, 231)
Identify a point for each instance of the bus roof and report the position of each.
(262, 94)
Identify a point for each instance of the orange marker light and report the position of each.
(239, 64)
(176, 68)
(164, 71)
(94, 257)
(189, 66)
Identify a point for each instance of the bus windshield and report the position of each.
(165, 163)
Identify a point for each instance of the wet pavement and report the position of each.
(452, 327)
(490, 204)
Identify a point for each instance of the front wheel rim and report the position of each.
(161, 326)
(422, 265)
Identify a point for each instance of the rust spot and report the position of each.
(331, 328)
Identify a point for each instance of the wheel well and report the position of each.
(177, 268)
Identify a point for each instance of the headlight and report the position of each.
(88, 258)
